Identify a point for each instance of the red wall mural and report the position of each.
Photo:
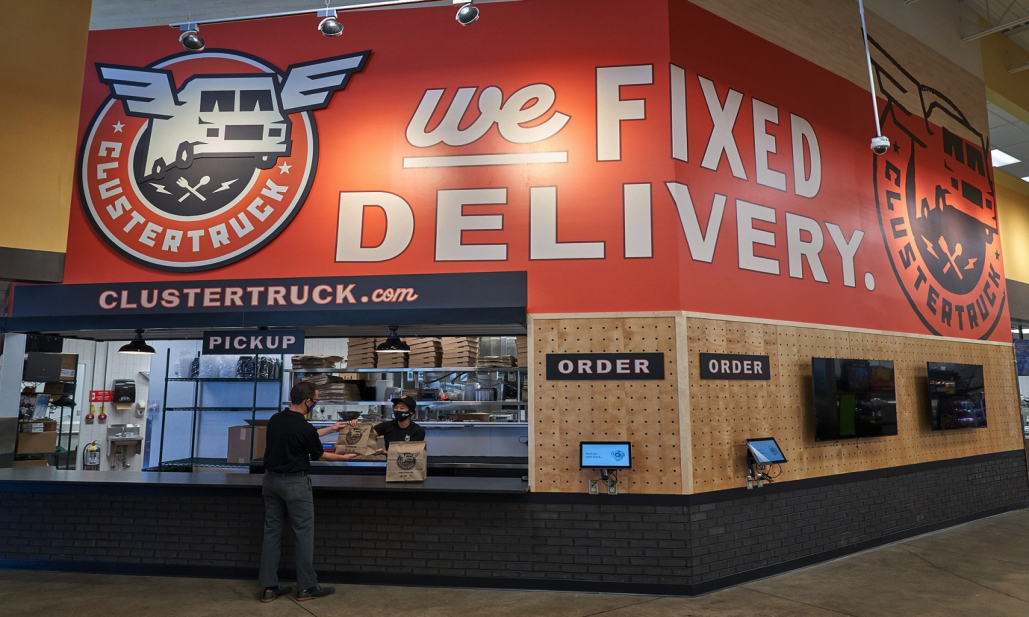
(644, 160)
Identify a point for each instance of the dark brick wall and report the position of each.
(649, 544)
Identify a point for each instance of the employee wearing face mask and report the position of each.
(401, 427)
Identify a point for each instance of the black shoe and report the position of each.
(315, 592)
(272, 593)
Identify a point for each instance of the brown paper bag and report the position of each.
(406, 461)
(360, 439)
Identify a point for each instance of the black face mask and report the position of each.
(400, 416)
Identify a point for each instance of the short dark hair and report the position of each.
(302, 391)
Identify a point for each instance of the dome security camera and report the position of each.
(467, 15)
(880, 144)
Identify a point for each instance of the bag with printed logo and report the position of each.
(406, 461)
(360, 440)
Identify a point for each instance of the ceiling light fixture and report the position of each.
(1000, 159)
(328, 25)
(393, 344)
(467, 14)
(190, 37)
(138, 346)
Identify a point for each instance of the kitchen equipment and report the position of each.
(486, 394)
(123, 441)
(470, 417)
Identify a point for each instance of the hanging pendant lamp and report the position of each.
(393, 344)
(138, 346)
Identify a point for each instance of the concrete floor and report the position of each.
(980, 570)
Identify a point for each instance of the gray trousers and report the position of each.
(288, 496)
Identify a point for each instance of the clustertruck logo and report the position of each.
(407, 460)
(937, 208)
(198, 175)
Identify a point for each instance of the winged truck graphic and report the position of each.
(224, 115)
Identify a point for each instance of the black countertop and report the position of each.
(29, 477)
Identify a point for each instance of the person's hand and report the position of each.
(338, 425)
(351, 423)
(348, 456)
(379, 451)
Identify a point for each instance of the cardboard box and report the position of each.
(36, 443)
(69, 364)
(239, 444)
(42, 462)
(42, 425)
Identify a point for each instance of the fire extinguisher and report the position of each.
(89, 416)
(91, 456)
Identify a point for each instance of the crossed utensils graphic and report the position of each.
(182, 182)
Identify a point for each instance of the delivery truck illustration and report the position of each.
(235, 116)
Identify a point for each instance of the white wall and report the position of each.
(325, 347)
(12, 365)
(102, 365)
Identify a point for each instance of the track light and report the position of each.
(393, 344)
(138, 346)
(190, 37)
(329, 26)
(467, 15)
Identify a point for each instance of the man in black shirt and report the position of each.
(401, 428)
(291, 445)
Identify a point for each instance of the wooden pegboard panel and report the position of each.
(725, 413)
(643, 412)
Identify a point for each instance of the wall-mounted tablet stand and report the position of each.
(762, 453)
(608, 457)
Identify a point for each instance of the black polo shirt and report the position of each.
(291, 443)
(391, 431)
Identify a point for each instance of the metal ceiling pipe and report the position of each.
(1011, 24)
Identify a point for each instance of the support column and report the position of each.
(12, 365)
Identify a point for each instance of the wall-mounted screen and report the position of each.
(957, 396)
(853, 398)
(605, 455)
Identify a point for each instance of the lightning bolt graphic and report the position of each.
(160, 189)
(929, 247)
(225, 185)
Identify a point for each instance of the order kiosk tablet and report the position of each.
(765, 451)
(605, 455)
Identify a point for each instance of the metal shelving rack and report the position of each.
(197, 408)
(59, 450)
